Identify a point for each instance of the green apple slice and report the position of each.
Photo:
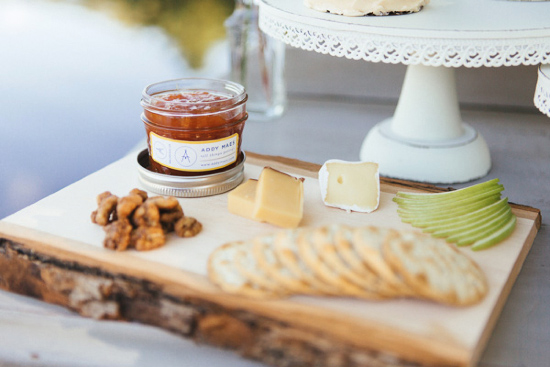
(473, 217)
(455, 194)
(475, 234)
(449, 212)
(412, 206)
(461, 227)
(498, 236)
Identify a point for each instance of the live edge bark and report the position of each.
(94, 293)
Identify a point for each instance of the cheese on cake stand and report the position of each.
(357, 8)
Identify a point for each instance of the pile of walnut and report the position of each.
(141, 222)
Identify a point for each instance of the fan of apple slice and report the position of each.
(475, 215)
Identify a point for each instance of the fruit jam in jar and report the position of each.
(194, 126)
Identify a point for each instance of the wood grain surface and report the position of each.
(49, 252)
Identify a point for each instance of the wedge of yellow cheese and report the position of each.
(279, 199)
(275, 198)
(241, 200)
(352, 186)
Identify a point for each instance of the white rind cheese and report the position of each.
(351, 186)
(356, 8)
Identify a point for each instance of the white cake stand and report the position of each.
(542, 94)
(426, 139)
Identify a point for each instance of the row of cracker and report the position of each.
(365, 262)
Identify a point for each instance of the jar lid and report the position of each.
(189, 186)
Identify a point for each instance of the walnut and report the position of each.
(139, 192)
(127, 204)
(146, 215)
(168, 203)
(141, 222)
(187, 227)
(106, 209)
(118, 234)
(104, 195)
(147, 238)
(168, 218)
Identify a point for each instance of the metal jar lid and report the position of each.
(189, 186)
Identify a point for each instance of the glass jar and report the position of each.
(194, 126)
(257, 62)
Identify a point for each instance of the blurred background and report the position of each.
(71, 76)
(72, 72)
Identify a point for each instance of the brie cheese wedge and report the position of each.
(351, 186)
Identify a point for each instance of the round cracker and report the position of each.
(248, 266)
(367, 242)
(310, 255)
(223, 272)
(348, 262)
(286, 251)
(264, 252)
(435, 269)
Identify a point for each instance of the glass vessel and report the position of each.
(257, 62)
(194, 125)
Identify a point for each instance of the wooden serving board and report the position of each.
(52, 251)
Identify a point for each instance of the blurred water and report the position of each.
(70, 84)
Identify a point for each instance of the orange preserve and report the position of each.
(194, 126)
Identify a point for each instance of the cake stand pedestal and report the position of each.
(426, 139)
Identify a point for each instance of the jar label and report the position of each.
(194, 156)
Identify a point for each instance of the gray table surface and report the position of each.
(35, 333)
